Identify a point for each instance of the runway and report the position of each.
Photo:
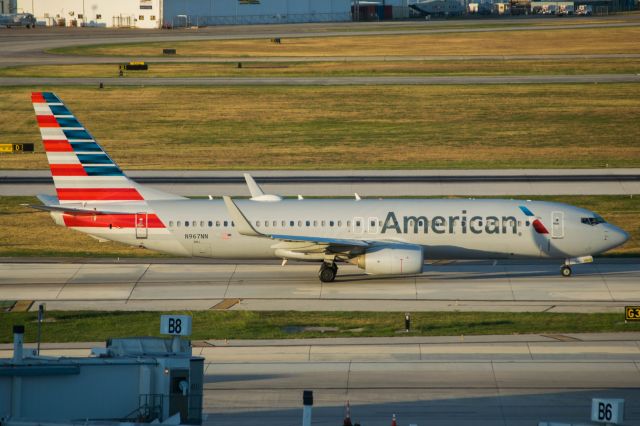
(320, 81)
(28, 47)
(481, 380)
(604, 286)
(386, 183)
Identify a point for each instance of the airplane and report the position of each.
(380, 236)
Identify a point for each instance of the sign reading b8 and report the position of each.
(175, 325)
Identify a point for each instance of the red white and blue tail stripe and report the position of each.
(82, 171)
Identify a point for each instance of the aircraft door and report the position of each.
(557, 225)
(358, 225)
(372, 225)
(142, 230)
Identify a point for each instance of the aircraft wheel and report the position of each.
(565, 271)
(327, 273)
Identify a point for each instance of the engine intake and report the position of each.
(392, 260)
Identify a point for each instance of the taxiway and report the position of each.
(604, 286)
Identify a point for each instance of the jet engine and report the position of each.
(391, 260)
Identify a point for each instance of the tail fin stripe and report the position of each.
(103, 171)
(77, 134)
(57, 146)
(85, 146)
(47, 121)
(98, 194)
(94, 159)
(67, 170)
(62, 158)
(60, 110)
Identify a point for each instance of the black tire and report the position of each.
(565, 271)
(327, 273)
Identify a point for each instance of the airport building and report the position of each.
(180, 13)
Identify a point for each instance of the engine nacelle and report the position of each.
(392, 260)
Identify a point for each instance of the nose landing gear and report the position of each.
(565, 271)
(328, 272)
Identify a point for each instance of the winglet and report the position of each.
(257, 194)
(254, 188)
(242, 224)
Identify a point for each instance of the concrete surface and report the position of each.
(485, 380)
(604, 181)
(22, 47)
(604, 286)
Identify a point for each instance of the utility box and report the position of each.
(139, 379)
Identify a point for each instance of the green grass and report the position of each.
(99, 326)
(354, 127)
(336, 69)
(27, 232)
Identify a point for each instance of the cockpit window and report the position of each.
(593, 221)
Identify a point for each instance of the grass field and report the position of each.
(99, 326)
(26, 232)
(548, 42)
(352, 127)
(338, 69)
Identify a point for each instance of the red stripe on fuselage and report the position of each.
(57, 146)
(67, 170)
(98, 194)
(539, 227)
(47, 121)
(37, 98)
(114, 220)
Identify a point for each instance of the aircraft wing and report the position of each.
(301, 243)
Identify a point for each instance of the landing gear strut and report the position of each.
(565, 271)
(328, 272)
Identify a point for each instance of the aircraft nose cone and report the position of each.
(616, 236)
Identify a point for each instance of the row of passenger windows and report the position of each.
(266, 223)
(194, 223)
(292, 223)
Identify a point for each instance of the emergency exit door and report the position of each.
(142, 231)
(557, 225)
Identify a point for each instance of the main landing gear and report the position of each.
(328, 272)
(565, 271)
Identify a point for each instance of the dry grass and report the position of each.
(355, 127)
(548, 42)
(26, 232)
(301, 69)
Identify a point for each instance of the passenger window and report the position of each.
(186, 223)
(274, 223)
(315, 223)
(217, 223)
(226, 223)
(291, 223)
(266, 223)
(258, 223)
(283, 223)
(340, 223)
(210, 224)
(357, 223)
(170, 224)
(300, 223)
(178, 223)
(372, 223)
(202, 224)
(331, 223)
(233, 224)
(307, 223)
(323, 223)
(195, 223)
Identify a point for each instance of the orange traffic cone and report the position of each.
(347, 416)
(393, 421)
